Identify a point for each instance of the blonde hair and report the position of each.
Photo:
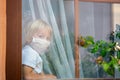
(33, 27)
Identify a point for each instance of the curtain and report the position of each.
(59, 60)
(95, 20)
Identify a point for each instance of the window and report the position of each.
(14, 33)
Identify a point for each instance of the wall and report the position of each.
(2, 38)
(116, 14)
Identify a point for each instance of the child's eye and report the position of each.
(41, 36)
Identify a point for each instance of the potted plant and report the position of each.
(108, 53)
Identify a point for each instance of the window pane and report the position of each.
(58, 59)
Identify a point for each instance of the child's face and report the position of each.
(43, 34)
(41, 40)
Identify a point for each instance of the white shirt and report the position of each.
(32, 59)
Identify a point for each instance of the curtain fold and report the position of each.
(66, 37)
(32, 9)
(58, 40)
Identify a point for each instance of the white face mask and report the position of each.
(40, 45)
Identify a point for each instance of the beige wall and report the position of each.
(2, 38)
(116, 14)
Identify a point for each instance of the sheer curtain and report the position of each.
(95, 20)
(59, 60)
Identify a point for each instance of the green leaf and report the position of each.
(108, 49)
(90, 38)
(105, 66)
(118, 54)
(118, 35)
(89, 43)
(95, 49)
(103, 53)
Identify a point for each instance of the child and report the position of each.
(37, 39)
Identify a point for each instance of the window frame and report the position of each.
(14, 37)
